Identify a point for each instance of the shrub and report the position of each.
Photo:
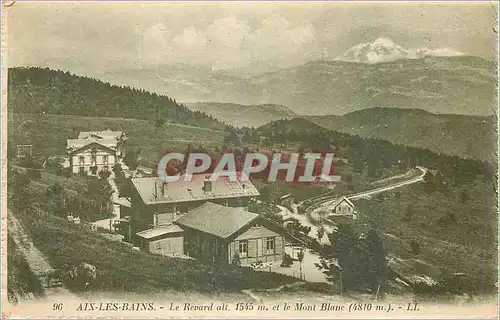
(236, 261)
(34, 174)
(287, 260)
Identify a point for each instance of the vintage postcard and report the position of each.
(235, 160)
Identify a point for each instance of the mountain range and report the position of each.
(40, 91)
(385, 50)
(471, 137)
(458, 85)
(242, 115)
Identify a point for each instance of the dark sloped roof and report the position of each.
(77, 145)
(339, 201)
(217, 220)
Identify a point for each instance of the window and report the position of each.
(105, 159)
(243, 248)
(270, 245)
(81, 160)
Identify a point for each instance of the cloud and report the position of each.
(95, 39)
(277, 40)
(228, 32)
(228, 42)
(190, 39)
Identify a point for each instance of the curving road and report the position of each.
(325, 201)
(313, 211)
(363, 194)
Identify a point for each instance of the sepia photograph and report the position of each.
(249, 159)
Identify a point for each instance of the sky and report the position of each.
(91, 37)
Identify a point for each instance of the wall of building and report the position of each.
(343, 208)
(170, 245)
(204, 246)
(257, 249)
(88, 163)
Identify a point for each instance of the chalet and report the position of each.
(113, 139)
(90, 156)
(343, 207)
(94, 151)
(220, 234)
(286, 200)
(155, 203)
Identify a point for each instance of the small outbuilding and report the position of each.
(165, 240)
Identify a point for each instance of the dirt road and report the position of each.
(36, 260)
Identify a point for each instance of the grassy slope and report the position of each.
(121, 268)
(468, 245)
(48, 133)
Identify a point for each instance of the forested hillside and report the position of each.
(45, 91)
(461, 135)
(372, 154)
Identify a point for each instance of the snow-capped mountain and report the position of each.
(384, 50)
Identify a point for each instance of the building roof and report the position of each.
(159, 231)
(107, 134)
(339, 201)
(75, 144)
(217, 220)
(150, 189)
(254, 233)
(123, 202)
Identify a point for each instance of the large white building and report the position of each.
(96, 151)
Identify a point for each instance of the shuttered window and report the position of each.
(270, 245)
(243, 248)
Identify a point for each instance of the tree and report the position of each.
(18, 181)
(104, 174)
(464, 196)
(159, 122)
(377, 263)
(415, 247)
(358, 164)
(130, 159)
(300, 257)
(320, 233)
(287, 260)
(410, 212)
(296, 228)
(355, 262)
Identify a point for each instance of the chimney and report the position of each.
(207, 184)
(163, 187)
